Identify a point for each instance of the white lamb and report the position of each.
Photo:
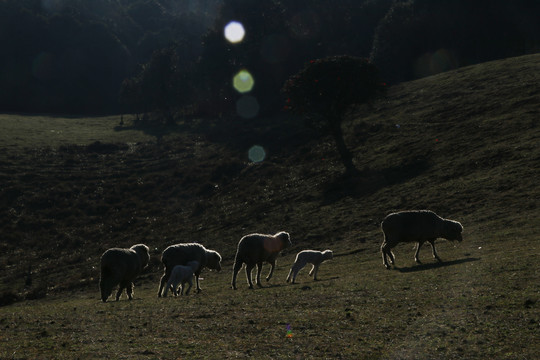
(312, 257)
(182, 274)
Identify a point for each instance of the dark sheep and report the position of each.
(121, 267)
(416, 226)
(182, 254)
(254, 249)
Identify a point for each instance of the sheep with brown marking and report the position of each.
(255, 249)
(416, 226)
(305, 257)
(121, 267)
(181, 254)
(180, 275)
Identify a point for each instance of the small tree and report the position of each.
(325, 90)
(157, 86)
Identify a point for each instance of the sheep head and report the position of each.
(328, 254)
(213, 260)
(285, 239)
(143, 252)
(453, 230)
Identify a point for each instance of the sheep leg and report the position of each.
(249, 268)
(170, 285)
(391, 256)
(164, 279)
(272, 266)
(297, 266)
(385, 251)
(418, 246)
(197, 282)
(105, 293)
(314, 270)
(129, 291)
(259, 270)
(435, 255)
(108, 282)
(289, 275)
(118, 293)
(106, 285)
(190, 282)
(236, 269)
(121, 288)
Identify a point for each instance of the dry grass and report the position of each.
(479, 303)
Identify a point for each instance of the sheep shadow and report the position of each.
(264, 287)
(435, 265)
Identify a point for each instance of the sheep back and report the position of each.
(254, 248)
(182, 254)
(417, 225)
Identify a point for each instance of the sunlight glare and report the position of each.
(234, 32)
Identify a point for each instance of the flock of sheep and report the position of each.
(183, 262)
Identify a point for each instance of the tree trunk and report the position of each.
(344, 153)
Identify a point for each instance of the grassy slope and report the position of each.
(466, 147)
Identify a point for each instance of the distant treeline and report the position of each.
(110, 56)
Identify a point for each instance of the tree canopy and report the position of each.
(326, 89)
(73, 56)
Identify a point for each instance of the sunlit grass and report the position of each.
(24, 131)
(357, 310)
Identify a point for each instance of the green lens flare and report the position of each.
(243, 81)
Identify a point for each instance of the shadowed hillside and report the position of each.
(462, 143)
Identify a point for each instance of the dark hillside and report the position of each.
(462, 143)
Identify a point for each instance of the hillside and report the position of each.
(462, 143)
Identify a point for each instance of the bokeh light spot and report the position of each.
(247, 107)
(234, 32)
(243, 81)
(256, 153)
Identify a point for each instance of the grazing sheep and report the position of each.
(121, 267)
(416, 226)
(181, 274)
(309, 257)
(181, 254)
(254, 249)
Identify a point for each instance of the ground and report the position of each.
(463, 144)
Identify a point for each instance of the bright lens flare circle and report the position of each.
(243, 81)
(234, 32)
